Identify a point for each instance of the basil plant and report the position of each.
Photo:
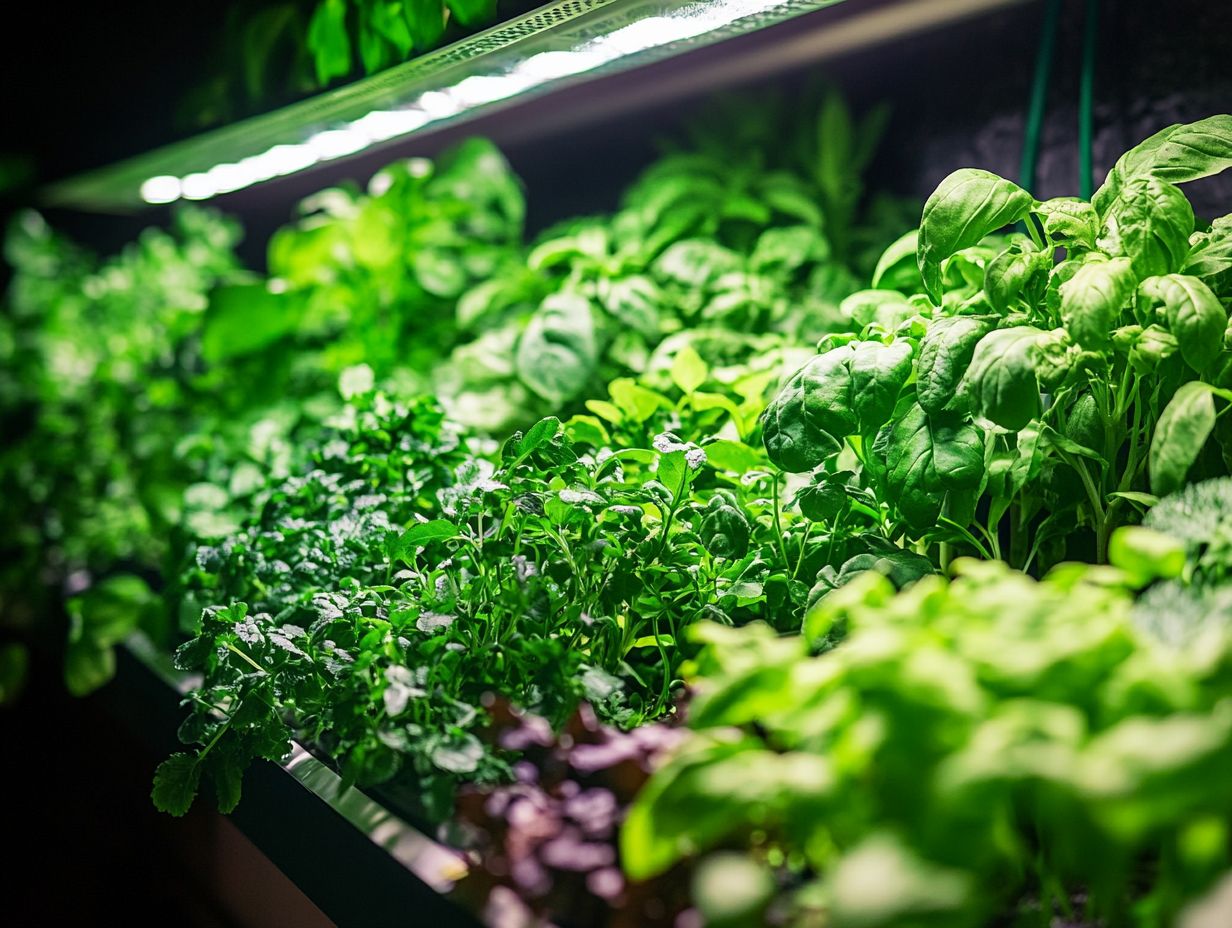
(1039, 386)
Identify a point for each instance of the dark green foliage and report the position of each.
(378, 600)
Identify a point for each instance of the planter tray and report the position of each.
(360, 863)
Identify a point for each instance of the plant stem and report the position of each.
(1096, 504)
(249, 660)
(778, 523)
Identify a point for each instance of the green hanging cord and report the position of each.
(1086, 104)
(1039, 95)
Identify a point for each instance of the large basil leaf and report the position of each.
(1180, 433)
(897, 268)
(1194, 316)
(557, 353)
(849, 390)
(1150, 223)
(967, 205)
(945, 354)
(1093, 298)
(926, 458)
(1210, 257)
(1179, 153)
(1000, 383)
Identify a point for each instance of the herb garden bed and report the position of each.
(765, 550)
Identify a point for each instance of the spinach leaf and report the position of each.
(849, 390)
(945, 354)
(929, 458)
(1000, 382)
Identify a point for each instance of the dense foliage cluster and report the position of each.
(970, 744)
(1041, 379)
(969, 748)
(716, 484)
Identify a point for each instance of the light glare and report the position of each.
(161, 189)
(433, 105)
(380, 125)
(197, 187)
(337, 143)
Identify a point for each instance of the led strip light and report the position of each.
(557, 45)
(688, 22)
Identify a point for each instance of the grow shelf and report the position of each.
(509, 70)
(360, 863)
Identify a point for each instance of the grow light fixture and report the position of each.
(431, 106)
(555, 46)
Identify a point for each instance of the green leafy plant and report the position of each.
(380, 597)
(970, 745)
(92, 391)
(734, 245)
(1046, 383)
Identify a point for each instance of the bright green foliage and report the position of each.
(1052, 378)
(95, 361)
(151, 396)
(971, 743)
(385, 269)
(731, 245)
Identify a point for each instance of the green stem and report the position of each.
(1097, 507)
(778, 523)
(968, 537)
(1131, 463)
(213, 741)
(808, 530)
(249, 660)
(1018, 538)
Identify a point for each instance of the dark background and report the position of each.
(88, 85)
